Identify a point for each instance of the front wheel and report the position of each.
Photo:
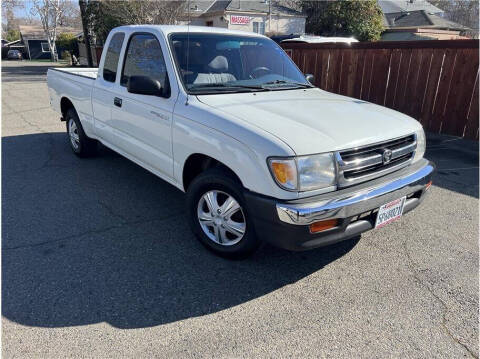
(218, 214)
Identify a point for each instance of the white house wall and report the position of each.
(217, 21)
(287, 25)
(249, 26)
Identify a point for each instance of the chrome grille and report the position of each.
(368, 162)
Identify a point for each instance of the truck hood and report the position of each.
(314, 121)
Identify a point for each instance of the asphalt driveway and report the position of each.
(97, 261)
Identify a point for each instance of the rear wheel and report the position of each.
(218, 214)
(81, 144)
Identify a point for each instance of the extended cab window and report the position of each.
(111, 59)
(144, 58)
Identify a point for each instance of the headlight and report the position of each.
(421, 144)
(304, 173)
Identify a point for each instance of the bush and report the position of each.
(13, 35)
(66, 41)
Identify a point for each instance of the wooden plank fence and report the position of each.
(434, 81)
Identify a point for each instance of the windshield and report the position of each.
(216, 63)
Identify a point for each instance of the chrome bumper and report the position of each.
(351, 202)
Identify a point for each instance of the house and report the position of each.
(35, 42)
(263, 17)
(417, 20)
(395, 6)
(420, 25)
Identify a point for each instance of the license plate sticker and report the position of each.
(390, 212)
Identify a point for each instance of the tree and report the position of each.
(362, 19)
(70, 15)
(86, 32)
(66, 41)
(12, 35)
(464, 12)
(9, 21)
(50, 12)
(105, 15)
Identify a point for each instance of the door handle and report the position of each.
(117, 102)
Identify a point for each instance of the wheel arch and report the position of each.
(197, 163)
(65, 105)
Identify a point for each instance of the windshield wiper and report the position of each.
(225, 85)
(283, 82)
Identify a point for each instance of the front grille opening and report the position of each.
(394, 144)
(375, 168)
(417, 194)
(370, 216)
(365, 163)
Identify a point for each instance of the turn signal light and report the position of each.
(323, 225)
(285, 172)
(428, 185)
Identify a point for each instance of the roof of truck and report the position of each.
(168, 29)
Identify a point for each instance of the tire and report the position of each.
(226, 226)
(81, 144)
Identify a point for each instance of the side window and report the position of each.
(112, 56)
(259, 27)
(144, 58)
(45, 47)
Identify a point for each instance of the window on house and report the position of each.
(259, 27)
(209, 23)
(45, 47)
(144, 58)
(111, 59)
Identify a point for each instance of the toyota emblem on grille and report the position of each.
(387, 155)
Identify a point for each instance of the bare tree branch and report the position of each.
(50, 12)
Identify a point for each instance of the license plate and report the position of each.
(390, 212)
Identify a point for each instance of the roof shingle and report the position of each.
(394, 6)
(420, 18)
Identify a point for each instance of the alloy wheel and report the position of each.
(221, 218)
(73, 133)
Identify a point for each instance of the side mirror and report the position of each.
(310, 78)
(144, 85)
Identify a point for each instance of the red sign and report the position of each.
(239, 20)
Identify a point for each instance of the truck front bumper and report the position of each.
(286, 223)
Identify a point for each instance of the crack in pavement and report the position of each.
(411, 265)
(112, 212)
(93, 231)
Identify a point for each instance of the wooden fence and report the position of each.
(434, 81)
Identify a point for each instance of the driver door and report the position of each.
(142, 123)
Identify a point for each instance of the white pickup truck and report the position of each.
(262, 155)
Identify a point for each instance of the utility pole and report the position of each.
(270, 16)
(86, 35)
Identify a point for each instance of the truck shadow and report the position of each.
(102, 240)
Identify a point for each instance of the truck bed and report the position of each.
(89, 72)
(74, 84)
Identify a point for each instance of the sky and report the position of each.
(26, 10)
(27, 5)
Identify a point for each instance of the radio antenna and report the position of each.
(188, 48)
